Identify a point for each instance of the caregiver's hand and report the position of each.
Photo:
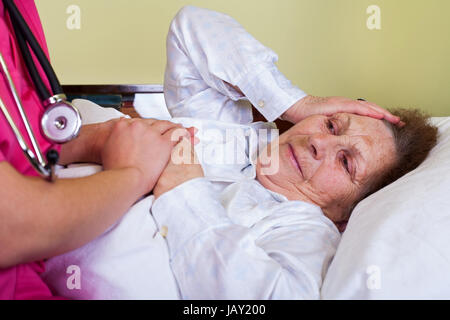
(311, 105)
(143, 144)
(183, 166)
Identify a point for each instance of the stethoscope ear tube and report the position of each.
(20, 108)
(24, 33)
(43, 169)
(34, 74)
(61, 121)
(46, 170)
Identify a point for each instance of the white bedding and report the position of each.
(100, 274)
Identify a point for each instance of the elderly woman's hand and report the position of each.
(311, 105)
(183, 166)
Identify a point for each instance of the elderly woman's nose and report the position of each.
(321, 143)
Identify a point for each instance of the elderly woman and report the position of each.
(244, 232)
(272, 237)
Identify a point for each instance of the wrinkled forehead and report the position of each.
(355, 125)
(373, 137)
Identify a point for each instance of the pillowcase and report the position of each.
(397, 241)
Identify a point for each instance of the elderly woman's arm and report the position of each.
(207, 54)
(282, 256)
(213, 64)
(311, 105)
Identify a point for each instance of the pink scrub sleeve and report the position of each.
(22, 281)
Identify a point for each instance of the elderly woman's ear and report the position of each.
(311, 105)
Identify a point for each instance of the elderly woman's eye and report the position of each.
(330, 126)
(345, 163)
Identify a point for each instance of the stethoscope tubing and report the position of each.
(24, 117)
(60, 121)
(24, 35)
(38, 165)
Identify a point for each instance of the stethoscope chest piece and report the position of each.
(61, 121)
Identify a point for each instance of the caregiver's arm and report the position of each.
(41, 219)
(87, 146)
(228, 59)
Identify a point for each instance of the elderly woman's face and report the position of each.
(329, 160)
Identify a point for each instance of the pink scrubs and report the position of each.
(22, 281)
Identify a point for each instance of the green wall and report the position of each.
(325, 46)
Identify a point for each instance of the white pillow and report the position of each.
(397, 242)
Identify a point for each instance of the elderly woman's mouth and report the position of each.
(293, 159)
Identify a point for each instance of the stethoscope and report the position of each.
(61, 121)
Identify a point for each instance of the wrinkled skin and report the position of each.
(328, 160)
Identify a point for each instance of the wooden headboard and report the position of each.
(121, 97)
